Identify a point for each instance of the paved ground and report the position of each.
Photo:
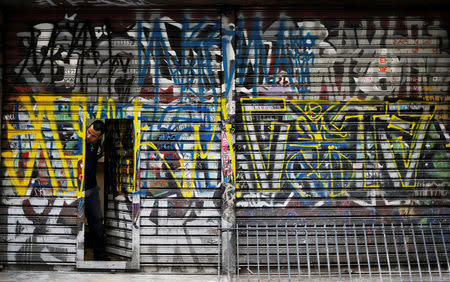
(69, 276)
(93, 276)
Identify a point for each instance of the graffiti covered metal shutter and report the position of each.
(41, 147)
(119, 165)
(161, 69)
(342, 118)
(180, 127)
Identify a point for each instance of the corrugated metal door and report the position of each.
(42, 142)
(119, 170)
(161, 69)
(342, 118)
(180, 154)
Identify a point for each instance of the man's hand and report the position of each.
(80, 170)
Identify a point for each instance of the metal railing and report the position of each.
(369, 251)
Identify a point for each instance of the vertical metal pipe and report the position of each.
(347, 252)
(228, 253)
(376, 251)
(406, 250)
(278, 252)
(396, 252)
(357, 250)
(297, 252)
(435, 251)
(317, 249)
(445, 247)
(287, 252)
(219, 250)
(426, 251)
(237, 252)
(267, 252)
(229, 234)
(248, 253)
(257, 251)
(326, 250)
(367, 250)
(416, 250)
(307, 252)
(337, 251)
(387, 251)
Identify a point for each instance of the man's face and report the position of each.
(92, 135)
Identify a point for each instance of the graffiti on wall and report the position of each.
(322, 105)
(108, 3)
(365, 59)
(158, 58)
(281, 56)
(41, 154)
(44, 142)
(333, 146)
(156, 61)
(34, 222)
(358, 114)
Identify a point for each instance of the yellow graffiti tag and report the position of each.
(250, 106)
(186, 189)
(409, 150)
(319, 168)
(40, 112)
(322, 122)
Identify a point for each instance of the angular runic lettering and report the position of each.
(401, 142)
(268, 151)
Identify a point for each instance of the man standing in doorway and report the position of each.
(92, 208)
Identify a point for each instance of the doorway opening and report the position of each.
(115, 174)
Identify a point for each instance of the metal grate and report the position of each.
(299, 252)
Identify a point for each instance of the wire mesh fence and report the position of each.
(369, 251)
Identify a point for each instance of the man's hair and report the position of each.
(98, 125)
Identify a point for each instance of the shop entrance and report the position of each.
(115, 178)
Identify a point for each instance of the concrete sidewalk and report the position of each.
(68, 276)
(97, 276)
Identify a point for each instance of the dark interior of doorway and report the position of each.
(116, 179)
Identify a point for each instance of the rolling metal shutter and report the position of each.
(180, 145)
(342, 118)
(118, 206)
(59, 75)
(161, 69)
(41, 144)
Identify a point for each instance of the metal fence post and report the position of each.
(228, 239)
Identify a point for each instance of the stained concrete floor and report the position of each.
(67, 276)
(92, 276)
